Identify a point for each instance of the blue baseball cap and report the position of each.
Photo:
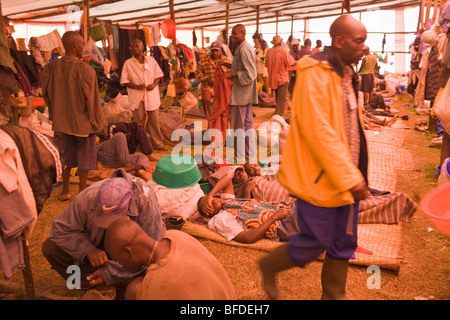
(112, 203)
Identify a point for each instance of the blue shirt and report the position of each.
(244, 90)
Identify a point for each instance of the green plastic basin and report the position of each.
(176, 171)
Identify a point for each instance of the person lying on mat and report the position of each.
(225, 187)
(249, 220)
(114, 153)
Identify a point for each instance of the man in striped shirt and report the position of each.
(206, 74)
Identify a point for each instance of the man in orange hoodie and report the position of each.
(324, 162)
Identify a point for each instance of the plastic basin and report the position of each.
(176, 171)
(168, 29)
(436, 205)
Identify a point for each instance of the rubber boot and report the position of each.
(276, 261)
(334, 279)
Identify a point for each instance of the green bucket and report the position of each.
(176, 171)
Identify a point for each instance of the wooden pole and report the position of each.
(27, 273)
(292, 26)
(257, 19)
(203, 38)
(227, 22)
(427, 16)
(86, 21)
(276, 14)
(420, 22)
(174, 43)
(435, 9)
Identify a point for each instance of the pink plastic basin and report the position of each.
(436, 205)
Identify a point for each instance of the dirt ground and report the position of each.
(425, 265)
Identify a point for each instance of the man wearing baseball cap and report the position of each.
(76, 236)
(205, 73)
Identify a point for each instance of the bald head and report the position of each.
(121, 233)
(73, 43)
(342, 25)
(126, 242)
(348, 37)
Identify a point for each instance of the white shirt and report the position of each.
(142, 73)
(227, 224)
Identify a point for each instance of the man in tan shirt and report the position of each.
(177, 267)
(70, 90)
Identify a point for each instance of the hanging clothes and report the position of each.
(22, 79)
(20, 217)
(5, 56)
(433, 74)
(161, 57)
(38, 162)
(8, 85)
(28, 66)
(126, 36)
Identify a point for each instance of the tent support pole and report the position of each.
(257, 19)
(292, 26)
(86, 21)
(203, 38)
(427, 16)
(276, 32)
(420, 22)
(227, 22)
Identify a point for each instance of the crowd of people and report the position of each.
(113, 230)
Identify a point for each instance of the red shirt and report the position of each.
(278, 60)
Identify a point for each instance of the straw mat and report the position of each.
(386, 156)
(381, 239)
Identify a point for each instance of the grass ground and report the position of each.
(425, 253)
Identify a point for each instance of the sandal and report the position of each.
(62, 197)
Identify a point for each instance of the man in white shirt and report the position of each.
(141, 75)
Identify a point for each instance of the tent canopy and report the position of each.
(189, 14)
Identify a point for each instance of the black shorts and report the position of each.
(79, 152)
(366, 83)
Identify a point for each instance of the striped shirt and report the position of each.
(206, 69)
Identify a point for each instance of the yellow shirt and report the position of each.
(371, 62)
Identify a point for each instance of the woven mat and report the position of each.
(388, 135)
(386, 156)
(383, 240)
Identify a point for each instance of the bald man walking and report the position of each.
(70, 90)
(324, 162)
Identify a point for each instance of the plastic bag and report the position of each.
(98, 30)
(273, 130)
(92, 49)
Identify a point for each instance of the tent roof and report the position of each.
(189, 14)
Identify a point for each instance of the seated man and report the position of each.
(114, 153)
(77, 233)
(378, 107)
(248, 220)
(178, 267)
